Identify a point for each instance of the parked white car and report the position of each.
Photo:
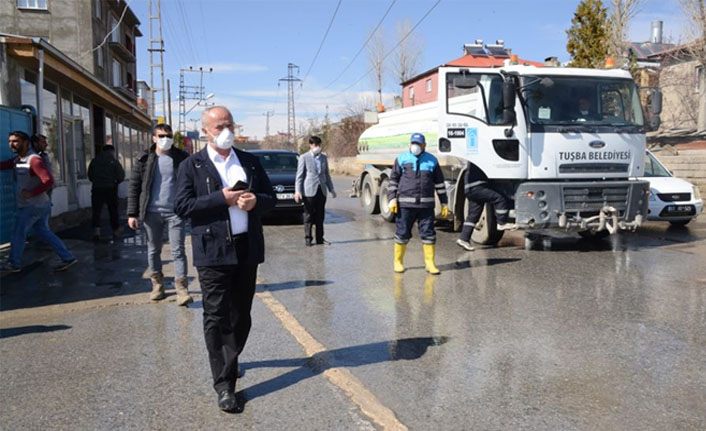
(671, 199)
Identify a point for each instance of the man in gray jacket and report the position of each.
(312, 183)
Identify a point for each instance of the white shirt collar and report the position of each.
(217, 158)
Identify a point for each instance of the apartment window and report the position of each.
(115, 35)
(99, 57)
(32, 4)
(411, 93)
(699, 75)
(97, 8)
(428, 85)
(117, 73)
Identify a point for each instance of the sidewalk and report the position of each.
(106, 269)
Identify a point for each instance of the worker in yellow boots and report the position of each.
(415, 177)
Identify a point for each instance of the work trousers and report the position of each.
(477, 197)
(154, 229)
(405, 221)
(314, 213)
(105, 196)
(228, 292)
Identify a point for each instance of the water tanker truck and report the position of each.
(565, 170)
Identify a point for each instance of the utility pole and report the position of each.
(156, 50)
(190, 92)
(268, 114)
(169, 120)
(291, 122)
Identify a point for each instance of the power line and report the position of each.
(306, 75)
(117, 26)
(364, 45)
(387, 54)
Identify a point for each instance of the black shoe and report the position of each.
(227, 401)
(65, 265)
(322, 242)
(309, 243)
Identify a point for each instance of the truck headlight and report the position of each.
(697, 193)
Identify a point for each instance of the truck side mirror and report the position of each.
(509, 90)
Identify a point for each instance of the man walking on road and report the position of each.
(105, 174)
(415, 177)
(33, 179)
(312, 182)
(150, 199)
(225, 192)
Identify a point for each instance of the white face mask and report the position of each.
(415, 149)
(225, 139)
(316, 150)
(165, 143)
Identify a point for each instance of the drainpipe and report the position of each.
(40, 89)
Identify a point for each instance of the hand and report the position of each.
(231, 196)
(133, 223)
(25, 194)
(333, 194)
(444, 211)
(247, 201)
(392, 205)
(297, 197)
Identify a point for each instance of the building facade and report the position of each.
(72, 63)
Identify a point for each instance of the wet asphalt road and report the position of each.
(607, 335)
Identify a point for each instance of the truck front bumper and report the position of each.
(584, 205)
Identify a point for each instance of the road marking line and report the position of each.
(340, 377)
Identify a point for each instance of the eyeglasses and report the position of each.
(164, 136)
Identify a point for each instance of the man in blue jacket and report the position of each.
(415, 177)
(225, 192)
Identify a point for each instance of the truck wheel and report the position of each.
(368, 198)
(531, 241)
(486, 231)
(382, 201)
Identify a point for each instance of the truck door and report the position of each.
(471, 118)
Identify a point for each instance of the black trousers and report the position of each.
(477, 197)
(227, 299)
(105, 196)
(314, 213)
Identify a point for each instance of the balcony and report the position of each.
(127, 91)
(122, 52)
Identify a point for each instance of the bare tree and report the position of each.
(622, 11)
(408, 54)
(376, 58)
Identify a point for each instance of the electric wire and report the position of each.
(321, 45)
(117, 26)
(364, 45)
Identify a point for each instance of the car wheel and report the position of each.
(486, 231)
(679, 223)
(367, 197)
(383, 204)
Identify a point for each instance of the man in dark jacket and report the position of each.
(225, 192)
(105, 173)
(416, 177)
(150, 199)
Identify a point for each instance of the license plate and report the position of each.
(680, 208)
(284, 196)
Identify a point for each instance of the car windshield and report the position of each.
(578, 101)
(278, 161)
(653, 168)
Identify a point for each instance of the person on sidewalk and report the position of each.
(105, 173)
(39, 145)
(479, 192)
(225, 192)
(32, 179)
(312, 182)
(150, 199)
(416, 176)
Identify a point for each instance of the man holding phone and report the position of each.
(225, 192)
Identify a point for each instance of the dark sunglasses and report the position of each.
(164, 136)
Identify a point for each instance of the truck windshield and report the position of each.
(581, 102)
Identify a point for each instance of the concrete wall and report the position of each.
(680, 100)
(63, 25)
(689, 165)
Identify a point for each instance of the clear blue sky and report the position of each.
(249, 43)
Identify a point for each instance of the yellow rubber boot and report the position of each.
(399, 257)
(429, 252)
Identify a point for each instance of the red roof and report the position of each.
(469, 60)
